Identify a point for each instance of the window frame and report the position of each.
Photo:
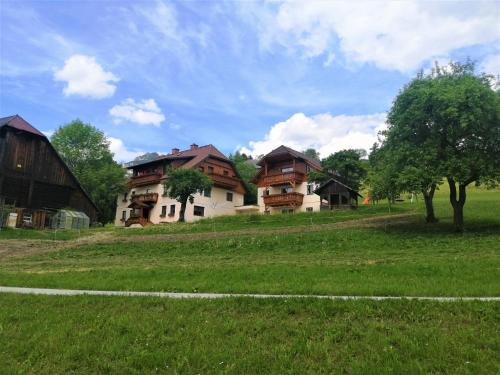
(200, 209)
(229, 194)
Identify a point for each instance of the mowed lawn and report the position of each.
(83, 334)
(88, 335)
(412, 259)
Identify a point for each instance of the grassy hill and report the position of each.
(364, 252)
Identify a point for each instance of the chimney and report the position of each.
(175, 151)
(194, 146)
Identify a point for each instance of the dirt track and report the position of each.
(19, 248)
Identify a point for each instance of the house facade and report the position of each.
(282, 182)
(33, 177)
(145, 202)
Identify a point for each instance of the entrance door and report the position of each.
(145, 213)
(334, 199)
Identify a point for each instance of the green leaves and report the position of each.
(85, 150)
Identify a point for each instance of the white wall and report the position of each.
(312, 200)
(216, 205)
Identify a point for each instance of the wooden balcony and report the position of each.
(148, 179)
(224, 181)
(145, 198)
(137, 220)
(287, 199)
(291, 178)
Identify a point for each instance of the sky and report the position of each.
(248, 76)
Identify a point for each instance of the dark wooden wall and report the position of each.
(34, 176)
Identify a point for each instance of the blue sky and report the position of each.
(154, 75)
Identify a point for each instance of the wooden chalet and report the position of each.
(33, 177)
(282, 181)
(145, 202)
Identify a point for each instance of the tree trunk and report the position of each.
(457, 204)
(429, 206)
(182, 212)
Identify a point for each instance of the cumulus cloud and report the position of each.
(491, 65)
(398, 35)
(145, 112)
(324, 132)
(85, 77)
(121, 152)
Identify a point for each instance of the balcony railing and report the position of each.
(148, 179)
(282, 179)
(223, 181)
(137, 220)
(286, 199)
(145, 198)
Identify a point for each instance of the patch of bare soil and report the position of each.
(20, 248)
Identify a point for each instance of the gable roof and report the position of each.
(287, 150)
(193, 156)
(17, 122)
(334, 180)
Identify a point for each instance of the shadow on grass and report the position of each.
(417, 226)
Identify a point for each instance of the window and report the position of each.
(210, 169)
(308, 168)
(124, 215)
(207, 193)
(202, 169)
(266, 192)
(287, 211)
(310, 188)
(148, 191)
(163, 211)
(199, 211)
(226, 173)
(133, 193)
(286, 189)
(309, 209)
(27, 218)
(229, 197)
(131, 212)
(172, 210)
(124, 197)
(286, 170)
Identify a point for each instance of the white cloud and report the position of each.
(85, 77)
(121, 152)
(145, 112)
(324, 132)
(399, 35)
(491, 65)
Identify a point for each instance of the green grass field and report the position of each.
(48, 334)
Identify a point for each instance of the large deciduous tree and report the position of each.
(86, 151)
(446, 124)
(348, 165)
(182, 184)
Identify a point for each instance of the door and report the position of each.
(145, 213)
(334, 199)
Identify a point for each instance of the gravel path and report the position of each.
(70, 292)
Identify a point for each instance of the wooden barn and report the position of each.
(33, 177)
(335, 194)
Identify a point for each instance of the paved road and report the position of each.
(70, 292)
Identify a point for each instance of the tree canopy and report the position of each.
(312, 153)
(246, 169)
(183, 183)
(85, 150)
(345, 163)
(445, 124)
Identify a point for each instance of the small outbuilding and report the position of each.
(335, 194)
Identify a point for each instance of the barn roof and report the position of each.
(17, 122)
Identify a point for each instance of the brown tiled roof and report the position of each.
(192, 156)
(17, 122)
(287, 150)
